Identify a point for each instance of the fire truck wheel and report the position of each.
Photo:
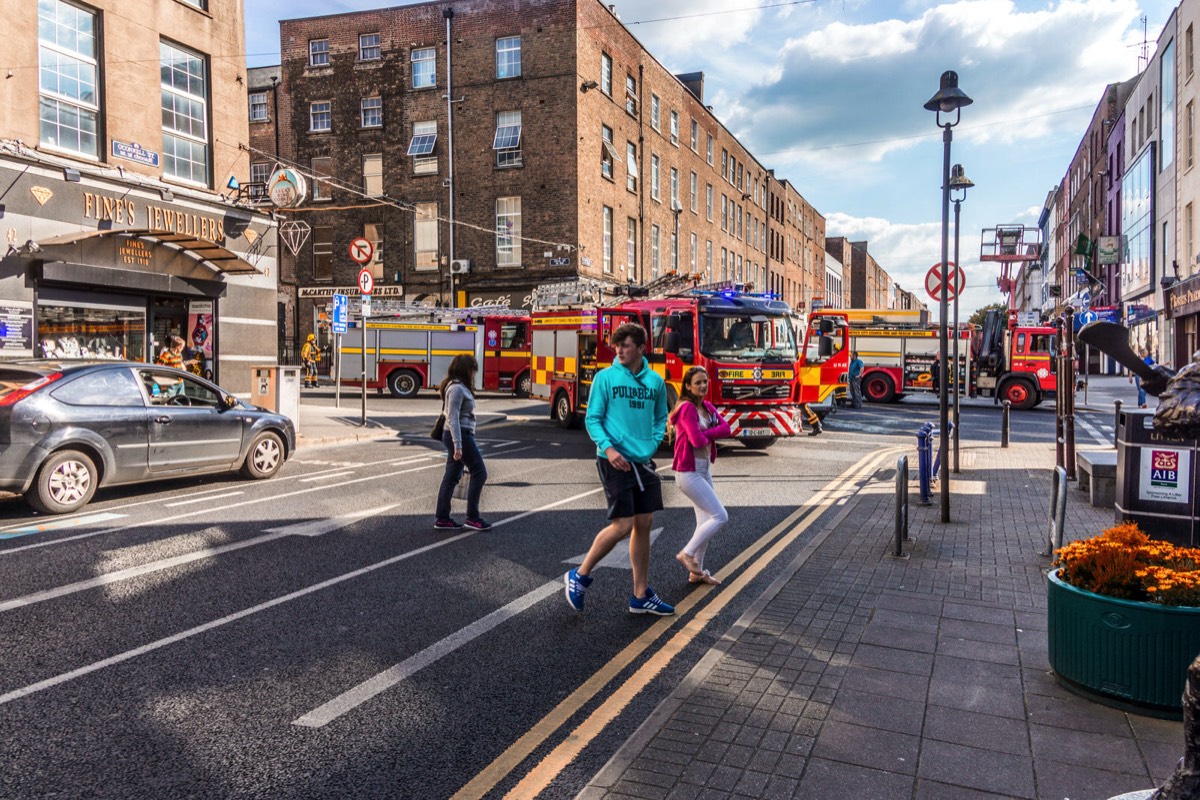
(563, 415)
(760, 442)
(879, 388)
(1020, 393)
(404, 383)
(524, 385)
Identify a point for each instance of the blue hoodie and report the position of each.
(628, 411)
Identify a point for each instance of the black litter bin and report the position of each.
(1156, 479)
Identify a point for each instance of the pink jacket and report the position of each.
(688, 435)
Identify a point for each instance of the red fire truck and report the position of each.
(999, 359)
(412, 348)
(746, 342)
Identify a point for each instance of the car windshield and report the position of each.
(748, 337)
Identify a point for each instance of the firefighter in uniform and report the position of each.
(310, 354)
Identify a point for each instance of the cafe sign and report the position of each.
(1183, 299)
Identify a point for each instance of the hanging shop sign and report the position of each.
(287, 188)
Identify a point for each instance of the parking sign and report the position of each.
(341, 309)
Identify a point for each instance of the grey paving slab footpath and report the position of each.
(858, 675)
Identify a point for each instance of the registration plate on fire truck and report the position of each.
(748, 433)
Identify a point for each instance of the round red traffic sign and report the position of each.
(956, 282)
(361, 250)
(366, 282)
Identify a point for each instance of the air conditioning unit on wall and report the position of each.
(460, 266)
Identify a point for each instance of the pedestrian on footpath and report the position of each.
(1149, 361)
(458, 404)
(856, 370)
(697, 426)
(626, 418)
(310, 355)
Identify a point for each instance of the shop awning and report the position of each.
(213, 256)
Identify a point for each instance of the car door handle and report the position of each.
(165, 420)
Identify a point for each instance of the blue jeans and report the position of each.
(1141, 392)
(472, 460)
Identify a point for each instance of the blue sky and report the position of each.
(829, 94)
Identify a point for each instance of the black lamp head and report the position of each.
(949, 97)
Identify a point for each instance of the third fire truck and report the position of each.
(758, 375)
(999, 359)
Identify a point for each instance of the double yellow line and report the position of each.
(543, 773)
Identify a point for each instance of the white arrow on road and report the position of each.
(353, 698)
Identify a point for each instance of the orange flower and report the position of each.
(1124, 562)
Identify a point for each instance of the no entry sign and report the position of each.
(933, 282)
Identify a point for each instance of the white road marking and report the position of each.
(353, 698)
(1091, 430)
(326, 477)
(201, 499)
(59, 524)
(87, 669)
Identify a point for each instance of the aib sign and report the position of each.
(1165, 475)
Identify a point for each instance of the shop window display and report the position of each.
(70, 332)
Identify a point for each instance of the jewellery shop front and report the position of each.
(107, 269)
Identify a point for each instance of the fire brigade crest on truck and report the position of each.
(1165, 475)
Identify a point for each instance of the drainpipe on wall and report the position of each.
(448, 13)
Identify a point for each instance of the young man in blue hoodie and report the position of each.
(626, 418)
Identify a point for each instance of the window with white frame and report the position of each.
(608, 153)
(318, 52)
(373, 233)
(184, 85)
(1189, 132)
(724, 163)
(508, 57)
(695, 143)
(654, 185)
(630, 245)
(322, 265)
(606, 74)
(655, 109)
(708, 255)
(200, 4)
(369, 48)
(371, 112)
(259, 108)
(508, 231)
(607, 223)
(507, 142)
(675, 128)
(724, 264)
(260, 171)
(631, 167)
(424, 67)
(724, 214)
(694, 191)
(708, 153)
(675, 251)
(631, 95)
(675, 189)
(372, 174)
(708, 202)
(322, 167)
(695, 248)
(420, 147)
(68, 95)
(654, 254)
(425, 236)
(320, 116)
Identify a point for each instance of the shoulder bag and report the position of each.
(439, 427)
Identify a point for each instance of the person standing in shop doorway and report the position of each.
(172, 354)
(310, 355)
(626, 418)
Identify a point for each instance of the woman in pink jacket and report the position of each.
(697, 427)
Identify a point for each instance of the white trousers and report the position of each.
(711, 515)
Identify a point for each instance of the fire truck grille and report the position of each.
(757, 391)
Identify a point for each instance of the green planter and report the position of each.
(1122, 653)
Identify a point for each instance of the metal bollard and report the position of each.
(924, 448)
(1058, 512)
(937, 462)
(1005, 416)
(901, 505)
(1116, 421)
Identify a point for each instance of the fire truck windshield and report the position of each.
(748, 337)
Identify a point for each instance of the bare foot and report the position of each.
(689, 562)
(703, 577)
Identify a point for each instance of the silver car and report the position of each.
(69, 427)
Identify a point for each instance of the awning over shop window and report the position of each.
(214, 257)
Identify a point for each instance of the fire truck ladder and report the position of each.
(436, 314)
(572, 293)
(663, 286)
(1010, 244)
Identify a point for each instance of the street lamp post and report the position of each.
(949, 99)
(959, 182)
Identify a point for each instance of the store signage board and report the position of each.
(341, 308)
(16, 329)
(327, 292)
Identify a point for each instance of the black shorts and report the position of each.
(625, 497)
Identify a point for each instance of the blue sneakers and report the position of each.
(574, 587)
(650, 604)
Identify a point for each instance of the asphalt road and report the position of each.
(312, 636)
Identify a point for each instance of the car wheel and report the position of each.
(524, 384)
(65, 483)
(265, 457)
(404, 383)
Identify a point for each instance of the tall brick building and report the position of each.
(566, 149)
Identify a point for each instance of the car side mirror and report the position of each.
(229, 401)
